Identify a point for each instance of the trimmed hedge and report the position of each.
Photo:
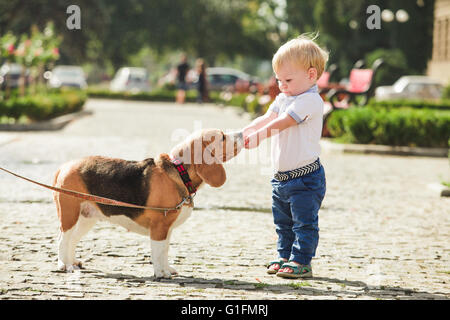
(443, 104)
(157, 95)
(391, 126)
(164, 95)
(43, 106)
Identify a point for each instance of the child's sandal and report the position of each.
(299, 271)
(274, 270)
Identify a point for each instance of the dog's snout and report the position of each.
(238, 141)
(237, 136)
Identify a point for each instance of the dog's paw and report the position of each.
(78, 264)
(163, 274)
(173, 271)
(69, 267)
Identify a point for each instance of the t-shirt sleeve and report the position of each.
(275, 105)
(305, 108)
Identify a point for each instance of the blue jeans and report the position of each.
(295, 208)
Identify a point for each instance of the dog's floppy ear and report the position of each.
(212, 174)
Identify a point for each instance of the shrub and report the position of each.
(155, 95)
(43, 106)
(443, 104)
(396, 127)
(163, 94)
(446, 92)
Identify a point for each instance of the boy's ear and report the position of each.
(312, 73)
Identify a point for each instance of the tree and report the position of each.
(343, 27)
(114, 30)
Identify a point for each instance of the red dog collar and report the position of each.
(184, 175)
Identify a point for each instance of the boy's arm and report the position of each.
(259, 122)
(275, 126)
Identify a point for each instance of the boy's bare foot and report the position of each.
(289, 269)
(275, 265)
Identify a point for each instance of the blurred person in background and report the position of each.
(202, 85)
(182, 70)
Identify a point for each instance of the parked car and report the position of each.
(411, 87)
(10, 75)
(130, 79)
(67, 76)
(228, 79)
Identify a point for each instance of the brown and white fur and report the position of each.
(151, 183)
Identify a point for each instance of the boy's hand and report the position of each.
(251, 141)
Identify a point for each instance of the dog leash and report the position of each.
(103, 200)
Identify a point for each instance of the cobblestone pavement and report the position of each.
(383, 233)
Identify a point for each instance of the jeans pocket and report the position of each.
(315, 181)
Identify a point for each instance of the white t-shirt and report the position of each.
(298, 145)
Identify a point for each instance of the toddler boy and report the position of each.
(294, 121)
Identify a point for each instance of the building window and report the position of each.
(441, 41)
(447, 40)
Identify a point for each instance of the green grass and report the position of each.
(299, 285)
(261, 285)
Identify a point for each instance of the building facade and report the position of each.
(439, 65)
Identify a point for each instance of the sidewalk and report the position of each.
(383, 233)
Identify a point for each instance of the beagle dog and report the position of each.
(156, 183)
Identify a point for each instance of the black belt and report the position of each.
(299, 172)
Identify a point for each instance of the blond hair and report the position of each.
(301, 51)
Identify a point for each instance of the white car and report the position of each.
(228, 79)
(410, 87)
(10, 74)
(67, 76)
(130, 79)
